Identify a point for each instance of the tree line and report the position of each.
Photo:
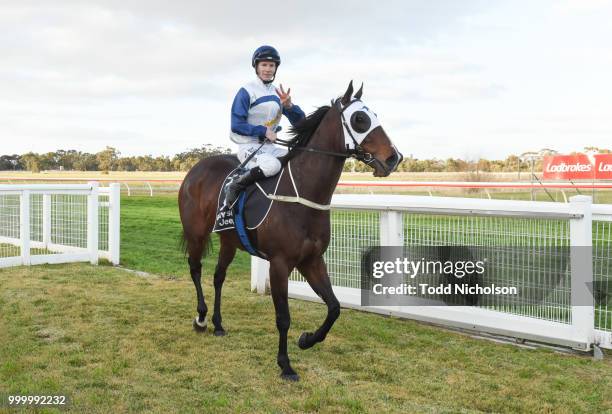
(110, 159)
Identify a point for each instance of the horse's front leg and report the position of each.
(279, 275)
(315, 272)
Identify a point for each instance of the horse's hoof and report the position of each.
(199, 326)
(290, 377)
(303, 342)
(220, 332)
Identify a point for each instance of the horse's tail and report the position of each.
(207, 244)
(182, 243)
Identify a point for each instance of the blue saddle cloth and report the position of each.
(248, 212)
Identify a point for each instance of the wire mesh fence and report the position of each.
(37, 224)
(527, 253)
(352, 231)
(69, 220)
(9, 225)
(59, 223)
(532, 254)
(103, 222)
(602, 274)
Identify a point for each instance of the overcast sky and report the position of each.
(447, 78)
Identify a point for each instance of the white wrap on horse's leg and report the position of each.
(201, 324)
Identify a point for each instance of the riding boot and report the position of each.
(240, 183)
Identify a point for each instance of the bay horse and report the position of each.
(293, 235)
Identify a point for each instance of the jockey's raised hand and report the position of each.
(285, 97)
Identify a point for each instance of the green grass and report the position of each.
(116, 342)
(150, 234)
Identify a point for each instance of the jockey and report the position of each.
(256, 113)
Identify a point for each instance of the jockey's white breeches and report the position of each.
(266, 158)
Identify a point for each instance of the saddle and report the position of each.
(250, 209)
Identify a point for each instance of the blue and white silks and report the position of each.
(256, 107)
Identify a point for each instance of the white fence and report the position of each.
(360, 221)
(59, 223)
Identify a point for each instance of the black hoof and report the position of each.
(290, 377)
(198, 327)
(220, 332)
(303, 341)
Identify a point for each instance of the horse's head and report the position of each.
(364, 136)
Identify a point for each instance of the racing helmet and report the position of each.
(265, 52)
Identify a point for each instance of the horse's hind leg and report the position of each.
(315, 272)
(195, 249)
(226, 255)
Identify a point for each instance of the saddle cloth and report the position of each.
(256, 206)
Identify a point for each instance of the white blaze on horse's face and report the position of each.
(359, 121)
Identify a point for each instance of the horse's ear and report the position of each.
(359, 92)
(347, 95)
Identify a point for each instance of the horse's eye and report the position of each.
(360, 121)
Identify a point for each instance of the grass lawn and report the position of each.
(150, 234)
(117, 342)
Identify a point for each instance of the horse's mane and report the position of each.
(303, 130)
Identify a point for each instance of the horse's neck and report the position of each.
(316, 175)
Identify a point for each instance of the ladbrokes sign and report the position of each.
(603, 166)
(578, 167)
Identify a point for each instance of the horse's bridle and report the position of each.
(358, 152)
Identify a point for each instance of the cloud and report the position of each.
(441, 75)
(583, 6)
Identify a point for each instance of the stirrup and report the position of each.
(241, 182)
(232, 187)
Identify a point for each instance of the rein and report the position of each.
(348, 154)
(358, 152)
(294, 145)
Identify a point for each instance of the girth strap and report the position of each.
(297, 198)
(300, 200)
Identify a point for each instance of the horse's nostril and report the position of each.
(394, 160)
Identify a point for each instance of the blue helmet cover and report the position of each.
(265, 52)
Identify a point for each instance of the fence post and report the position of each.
(260, 269)
(581, 256)
(46, 212)
(93, 203)
(24, 227)
(114, 222)
(391, 228)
